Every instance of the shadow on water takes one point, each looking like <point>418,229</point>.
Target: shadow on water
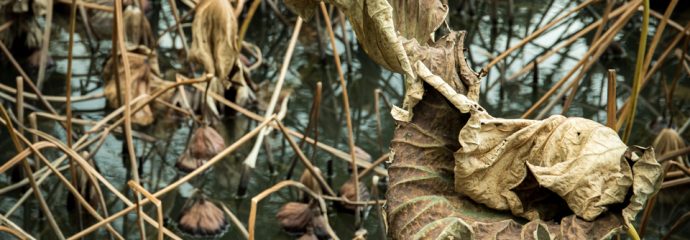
<point>492,27</point>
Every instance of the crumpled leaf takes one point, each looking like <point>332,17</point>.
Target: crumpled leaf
<point>137,28</point>
<point>422,202</point>
<point>144,80</point>
<point>382,28</point>
<point>647,179</point>
<point>578,159</point>
<point>214,41</point>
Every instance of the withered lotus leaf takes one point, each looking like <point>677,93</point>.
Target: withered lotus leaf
<point>579,160</point>
<point>422,201</point>
<point>459,173</point>
<point>144,80</point>
<point>382,27</point>
<point>214,40</point>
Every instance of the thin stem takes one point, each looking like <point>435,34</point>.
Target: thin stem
<point>45,43</point>
<point>251,157</point>
<point>611,100</point>
<point>532,36</point>
<point>29,174</point>
<point>639,71</point>
<point>307,164</point>
<point>346,105</point>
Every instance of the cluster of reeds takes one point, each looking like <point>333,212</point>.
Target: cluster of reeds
<point>134,90</point>
<point>137,94</point>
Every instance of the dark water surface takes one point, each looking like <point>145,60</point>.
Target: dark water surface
<point>491,30</point>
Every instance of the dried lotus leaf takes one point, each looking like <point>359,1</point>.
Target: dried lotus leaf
<point>214,40</point>
<point>418,19</point>
<point>577,159</point>
<point>422,201</point>
<point>374,23</point>
<point>137,28</point>
<point>144,81</point>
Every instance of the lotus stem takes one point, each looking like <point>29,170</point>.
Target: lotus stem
<point>639,71</point>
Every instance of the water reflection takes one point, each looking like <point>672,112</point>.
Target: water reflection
<point>492,26</point>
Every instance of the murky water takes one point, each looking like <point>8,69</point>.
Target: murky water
<point>489,33</point>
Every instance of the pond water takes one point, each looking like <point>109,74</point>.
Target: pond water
<point>492,28</point>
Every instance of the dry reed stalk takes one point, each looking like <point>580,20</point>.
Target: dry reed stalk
<point>532,36</point>
<point>79,145</point>
<point>639,72</point>
<point>13,232</point>
<point>350,202</point>
<point>611,100</point>
<point>88,5</point>
<point>29,174</point>
<point>154,200</point>
<point>567,42</point>
<point>68,97</point>
<point>236,221</point>
<point>5,25</point>
<point>20,103</point>
<point>673,154</point>
<point>307,164</point>
<point>378,161</point>
<point>379,137</point>
<point>179,181</point>
<point>43,59</point>
<point>625,109</point>
<point>256,199</point>
<point>346,105</point>
<point>60,99</point>
<point>178,24</point>
<point>54,143</point>
<point>82,142</point>
<point>313,123</point>
<point>608,36</point>
<point>248,19</point>
<point>675,182</point>
<point>119,37</point>
<point>671,23</point>
<point>578,79</point>
<point>333,151</point>
<point>26,77</point>
<point>251,157</point>
<point>15,228</point>
<point>76,194</point>
<point>659,30</point>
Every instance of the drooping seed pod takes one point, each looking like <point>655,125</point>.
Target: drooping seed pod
<point>187,163</point>
<point>294,217</point>
<point>202,218</point>
<point>347,191</point>
<point>311,182</point>
<point>205,143</point>
<point>668,140</point>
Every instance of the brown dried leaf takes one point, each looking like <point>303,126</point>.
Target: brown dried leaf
<point>503,163</point>
<point>214,40</point>
<point>137,28</point>
<point>144,80</point>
